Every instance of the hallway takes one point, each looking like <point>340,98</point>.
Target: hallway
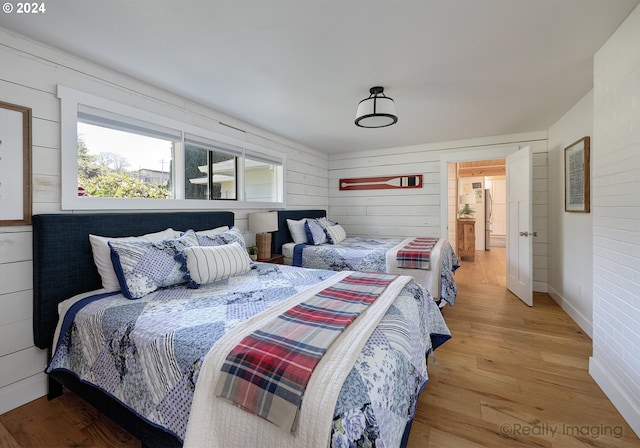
<point>489,267</point>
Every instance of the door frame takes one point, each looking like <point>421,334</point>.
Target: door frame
<point>500,152</point>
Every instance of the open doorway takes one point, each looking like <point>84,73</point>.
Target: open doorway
<point>479,198</point>
<point>519,254</point>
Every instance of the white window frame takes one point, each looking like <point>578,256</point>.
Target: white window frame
<point>69,100</point>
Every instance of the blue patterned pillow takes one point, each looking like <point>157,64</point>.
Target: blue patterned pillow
<point>144,266</point>
<point>233,235</point>
<point>315,231</point>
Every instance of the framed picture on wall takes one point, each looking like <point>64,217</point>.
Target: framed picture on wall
<point>15,165</point>
<point>576,177</point>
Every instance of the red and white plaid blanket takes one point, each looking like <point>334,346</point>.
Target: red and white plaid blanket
<point>267,372</point>
<point>416,254</point>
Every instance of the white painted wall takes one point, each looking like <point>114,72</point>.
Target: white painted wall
<point>570,243</point>
<point>615,364</point>
<point>29,75</point>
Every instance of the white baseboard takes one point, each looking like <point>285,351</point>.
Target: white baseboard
<point>22,392</point>
<point>584,322</point>
<point>616,393</point>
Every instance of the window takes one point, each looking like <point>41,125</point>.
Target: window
<point>210,169</point>
<point>118,157</point>
<point>114,156</point>
<point>263,178</point>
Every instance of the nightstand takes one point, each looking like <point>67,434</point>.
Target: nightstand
<point>275,258</point>
<point>466,235</point>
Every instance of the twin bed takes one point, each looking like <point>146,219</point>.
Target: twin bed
<point>158,360</point>
<point>366,254</point>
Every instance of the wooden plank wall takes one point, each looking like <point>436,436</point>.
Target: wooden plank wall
<point>616,219</point>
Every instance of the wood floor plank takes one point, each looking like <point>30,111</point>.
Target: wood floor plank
<point>6,439</point>
<point>66,422</point>
<point>440,439</point>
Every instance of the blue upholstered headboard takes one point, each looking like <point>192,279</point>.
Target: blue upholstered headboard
<point>63,261</point>
<point>283,236</point>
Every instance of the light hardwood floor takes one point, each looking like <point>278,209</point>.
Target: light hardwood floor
<point>511,376</point>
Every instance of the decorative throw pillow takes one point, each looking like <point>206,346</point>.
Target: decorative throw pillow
<point>216,231</point>
<point>298,232</point>
<point>315,231</point>
<point>212,263</point>
<point>232,235</point>
<point>144,266</point>
<point>102,254</point>
<point>335,234</point>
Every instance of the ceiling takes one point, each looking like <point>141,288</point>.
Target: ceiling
<point>481,168</point>
<point>455,68</point>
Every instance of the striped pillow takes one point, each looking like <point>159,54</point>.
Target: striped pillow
<point>335,234</point>
<point>207,264</point>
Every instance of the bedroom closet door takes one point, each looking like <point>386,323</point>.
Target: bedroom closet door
<point>519,225</point>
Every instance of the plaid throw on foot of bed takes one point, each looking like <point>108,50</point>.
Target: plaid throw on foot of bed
<point>267,372</point>
<point>416,254</point>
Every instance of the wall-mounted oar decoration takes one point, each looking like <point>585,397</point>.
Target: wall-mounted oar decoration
<point>382,183</point>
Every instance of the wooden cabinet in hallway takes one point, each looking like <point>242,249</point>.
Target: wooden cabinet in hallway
<point>466,238</point>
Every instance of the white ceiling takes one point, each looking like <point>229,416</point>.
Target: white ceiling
<point>455,68</point>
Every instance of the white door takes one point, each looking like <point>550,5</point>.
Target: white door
<point>519,225</point>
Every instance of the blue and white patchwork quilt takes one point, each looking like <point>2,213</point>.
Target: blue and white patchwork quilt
<point>147,353</point>
<point>369,254</point>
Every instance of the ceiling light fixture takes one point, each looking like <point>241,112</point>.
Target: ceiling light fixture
<point>377,111</point>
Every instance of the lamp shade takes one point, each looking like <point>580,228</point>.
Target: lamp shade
<point>263,222</point>
<point>377,111</point>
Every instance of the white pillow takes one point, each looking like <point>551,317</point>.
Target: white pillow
<point>298,231</point>
<point>225,237</point>
<point>335,234</point>
<point>102,254</point>
<point>207,264</point>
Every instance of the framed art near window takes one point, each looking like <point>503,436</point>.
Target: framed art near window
<point>576,177</point>
<point>15,165</point>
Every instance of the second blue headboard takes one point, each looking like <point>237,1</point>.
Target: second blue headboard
<point>283,236</point>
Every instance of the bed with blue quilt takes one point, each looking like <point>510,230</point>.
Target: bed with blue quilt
<point>304,239</point>
<point>160,344</point>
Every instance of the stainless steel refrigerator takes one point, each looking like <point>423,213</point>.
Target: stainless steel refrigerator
<point>488,208</point>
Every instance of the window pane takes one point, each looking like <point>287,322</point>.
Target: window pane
<point>122,164</point>
<point>199,163</point>
<point>263,180</point>
<point>195,173</point>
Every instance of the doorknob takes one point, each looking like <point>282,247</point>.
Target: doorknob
<point>524,233</point>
